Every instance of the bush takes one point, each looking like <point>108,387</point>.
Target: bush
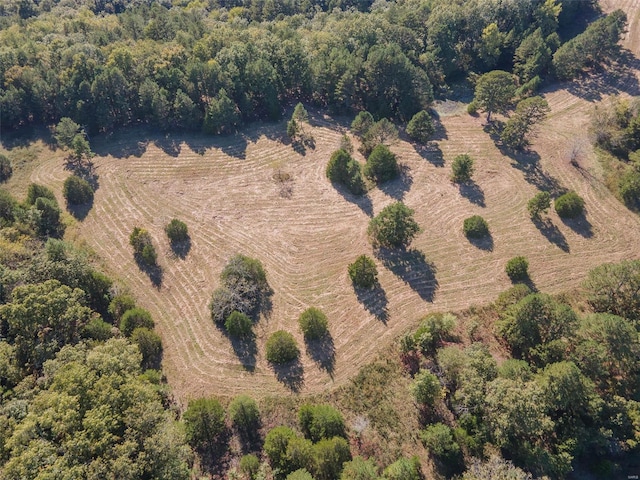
<point>475,227</point>
<point>434,329</point>
<point>5,169</point>
<point>120,304</point>
<point>47,218</point>
<point>393,227</point>
<point>203,422</point>
<point>381,165</point>
<point>330,455</point>
<point>135,318</point>
<point>629,188</point>
<point>362,123</point>
<point>439,441</point>
<point>77,191</point>
<point>360,469</point>
<point>242,268</point>
<point>281,348</point>
<point>300,474</point>
<point>517,269</point>
<point>462,168</point>
<point>569,205</point>
<point>420,127</point>
<point>343,169</point>
<point>472,108</point>
<point>140,240</point>
<point>36,191</point>
<point>249,466</point>
<point>150,345</point>
<point>320,421</point>
<point>8,207</point>
<point>275,445</point>
<point>426,388</point>
<point>238,324</point>
<point>403,469</point>
<point>313,324</point>
<point>177,231</point>
<point>539,204</point>
<point>363,272</point>
<point>244,414</point>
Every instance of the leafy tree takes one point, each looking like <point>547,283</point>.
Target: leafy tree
<point>426,388</point>
<point>203,422</point>
<point>462,168</point>
<point>120,304</point>
<point>517,269</point>
<point>434,329</point>
<point>569,205</point>
<point>393,227</point>
<point>301,474</point>
<point>249,465</point>
<point>292,129</point>
<point>77,191</point>
<point>475,227</point>
<point>629,188</point>
<point>532,57</point>
<point>281,348</point>
<point>8,207</point>
<point>615,288</point>
<point>5,168</point>
<point>494,92</point>
<point>359,469</point>
<point>496,468</point>
<point>35,191</point>
<point>275,446</point>
<point>65,132</point>
<point>329,455</point>
<point>381,165</point>
<point>420,128</point>
<point>313,324</point>
<point>140,240</point>
<point>382,132</point>
<point>222,115</point>
<point>300,113</point>
<point>238,324</point>
<point>363,272</point>
<point>343,169</point>
<point>150,345</point>
<point>362,123</point>
<point>47,217</point>
<point>439,441</point>
<point>540,203</point>
<point>319,422</point>
<point>403,469</point>
<point>135,318</point>
<point>177,231</point>
<point>244,415</point>
<point>518,129</point>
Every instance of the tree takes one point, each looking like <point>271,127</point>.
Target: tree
<point>238,325</point>
<point>329,455</point>
<point>203,422</point>
<point>281,348</point>
<point>381,165</point>
<point>518,129</point>
<point>5,169</point>
<point>433,330</point>
<point>393,227</point>
<point>420,127</point>
<point>363,272</point>
<point>403,469</point>
<point>275,447</point>
<point>313,324</point>
<point>360,469</point>
<point>517,269</point>
<point>177,231</point>
<point>150,345</point>
<point>462,168</point>
<point>439,441</point>
<point>569,205</point>
<point>362,123</point>
<point>532,57</point>
<point>495,468</point>
<point>426,388</point>
<point>494,92</point>
<point>135,318</point>
<point>249,466</point>
<point>35,191</point>
<point>300,113</point>
<point>343,169</point>
<point>222,115</point>
<point>615,288</point>
<point>65,132</point>
<point>142,245</point>
<point>120,304</point>
<point>319,422</point>
<point>77,191</point>
<point>382,132</point>
<point>47,218</point>
<point>475,227</point>
<point>244,415</point>
<point>540,203</point>
<point>301,474</point>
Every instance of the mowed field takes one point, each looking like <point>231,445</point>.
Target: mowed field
<point>306,232</point>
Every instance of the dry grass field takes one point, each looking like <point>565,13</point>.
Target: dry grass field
<point>306,232</point>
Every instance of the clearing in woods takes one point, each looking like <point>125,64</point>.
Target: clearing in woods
<point>305,232</point>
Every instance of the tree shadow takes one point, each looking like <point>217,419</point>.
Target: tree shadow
<point>472,192</point>
<point>398,187</point>
<point>552,233</point>
<point>265,306</point>
<point>290,374</point>
<point>374,300</point>
<point>215,455</point>
<point>169,145</point>
<point>245,349</point>
<point>413,268</point>
<point>323,352</point>
<point>440,132</point>
<point>182,248</point>
<point>580,225</point>
<point>483,243</point>
<point>528,162</point>
<point>431,152</point>
<point>80,212</point>
<point>362,201</point>
<point>154,272</point>
<point>250,439</point>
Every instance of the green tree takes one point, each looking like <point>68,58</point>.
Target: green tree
<point>249,466</point>
<point>35,191</point>
<point>393,227</point>
<point>420,128</point>
<point>615,288</point>
<point>319,422</point>
<point>281,348</point>
<point>77,191</point>
<point>532,57</point>
<point>381,165</point>
<point>363,272</point>
<point>475,227</point>
<point>343,169</point>
<point>140,240</point>
<point>222,115</point>
<point>203,422</point>
<point>359,469</point>
<point>362,123</point>
<point>301,474</point>
<point>494,92</point>
<point>300,113</point>
<point>462,168</point>
<point>518,129</point>
<point>120,304</point>
<point>569,205</point>
<point>150,345</point>
<point>517,269</point>
<point>244,415</point>
<point>330,454</point>
<point>65,132</point>
<point>426,388</point>
<point>539,204</point>
<point>47,218</point>
<point>382,132</point>
<point>403,469</point>
<point>434,329</point>
<point>275,446</point>
<point>5,168</point>
<point>313,323</point>
<point>177,231</point>
<point>135,318</point>
<point>439,441</point>
<point>238,325</point>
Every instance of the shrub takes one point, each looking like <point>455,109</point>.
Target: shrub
<point>242,268</point>
<point>140,240</point>
<point>320,421</point>
<point>120,304</point>
<point>177,231</point>
<point>629,188</point>
<point>517,269</point>
<point>539,204</point>
<point>329,456</point>
<point>5,169</point>
<point>281,348</point>
<point>434,329</point>
<point>35,191</point>
<point>472,108</point>
<point>249,466</point>
<point>569,205</point>
<point>203,422</point>
<point>381,165</point>
<point>439,441</point>
<point>360,469</point>
<point>244,414</point>
<point>362,123</point>
<point>275,445</point>
<point>238,324</point>
<point>313,324</point>
<point>420,127</point>
<point>363,272</point>
<point>475,227</point>
<point>47,218</point>
<point>462,168</point>
<point>343,169</point>
<point>150,345</point>
<point>8,207</point>
<point>426,388</point>
<point>77,191</point>
<point>403,469</point>
<point>393,227</point>
<point>300,474</point>
<point>223,302</point>
<point>135,318</point>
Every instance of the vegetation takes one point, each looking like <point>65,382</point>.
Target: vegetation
<point>177,231</point>
<point>517,269</point>
<point>519,128</point>
<point>203,422</point>
<point>142,245</point>
<point>393,227</point>
<point>238,324</point>
<point>462,168</point>
<point>420,128</point>
<point>319,422</point>
<point>77,191</point>
<point>5,168</point>
<point>433,330</point>
<point>313,324</point>
<point>381,165</point>
<point>281,348</point>
<point>569,205</point>
<point>475,227</point>
<point>363,272</point>
<point>426,388</point>
<point>244,415</point>
<point>494,92</point>
<point>539,204</point>
<point>135,318</point>
<point>344,170</point>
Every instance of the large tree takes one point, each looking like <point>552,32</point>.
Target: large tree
<point>494,92</point>
<point>393,227</point>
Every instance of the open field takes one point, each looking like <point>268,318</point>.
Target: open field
<point>307,232</point>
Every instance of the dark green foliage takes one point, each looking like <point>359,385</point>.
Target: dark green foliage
<point>403,469</point>
<point>35,191</point>
<point>142,245</point>
<point>241,268</point>
<point>281,348</point>
<point>97,329</point>
<point>150,345</point>
<point>381,165</point>
<point>439,441</point>
<point>569,205</point>
<point>420,128</point>
<point>177,231</point>
<point>119,305</point>
<point>313,324</point>
<point>244,414</point>
<point>345,170</point>
<point>363,272</point>
<point>533,56</point>
<point>475,227</point>
<point>203,422</point>
<point>494,92</point>
<point>47,217</point>
<point>362,123</point>
<point>275,447</point>
<point>77,191</point>
<point>65,132</point>
<point>135,318</point>
<point>426,388</point>
<point>238,324</point>
<point>539,204</point>
<point>8,207</point>
<point>319,422</point>
<point>629,188</point>
<point>5,169</point>
<point>393,227</point>
<point>462,168</point>
<point>518,129</point>
<point>434,329</point>
<point>359,469</point>
<point>517,269</point>
<point>222,115</point>
<point>512,296</point>
<point>615,288</point>
<point>249,466</point>
<point>383,132</point>
<point>329,455</point>
<point>301,474</point>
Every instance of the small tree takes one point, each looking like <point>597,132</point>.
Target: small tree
<point>135,318</point>
<point>320,421</point>
<point>281,348</point>
<point>238,324</point>
<point>362,123</point>
<point>440,442</point>
<point>77,191</point>
<point>518,130</point>
<point>426,388</point>
<point>494,92</point>
<point>517,269</point>
<point>142,245</point>
<point>363,272</point>
<point>313,324</point>
<point>177,231</point>
<point>203,422</point>
<point>150,345</point>
<point>381,165</point>
<point>249,466</point>
<point>343,169</point>
<point>382,132</point>
<point>569,205</point>
<point>300,114</point>
<point>462,168</point>
<point>65,132</point>
<point>420,127</point>
<point>393,227</point>
<point>539,204</point>
<point>244,414</point>
<point>475,227</point>
<point>403,469</point>
<point>5,169</point>
<point>36,191</point>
